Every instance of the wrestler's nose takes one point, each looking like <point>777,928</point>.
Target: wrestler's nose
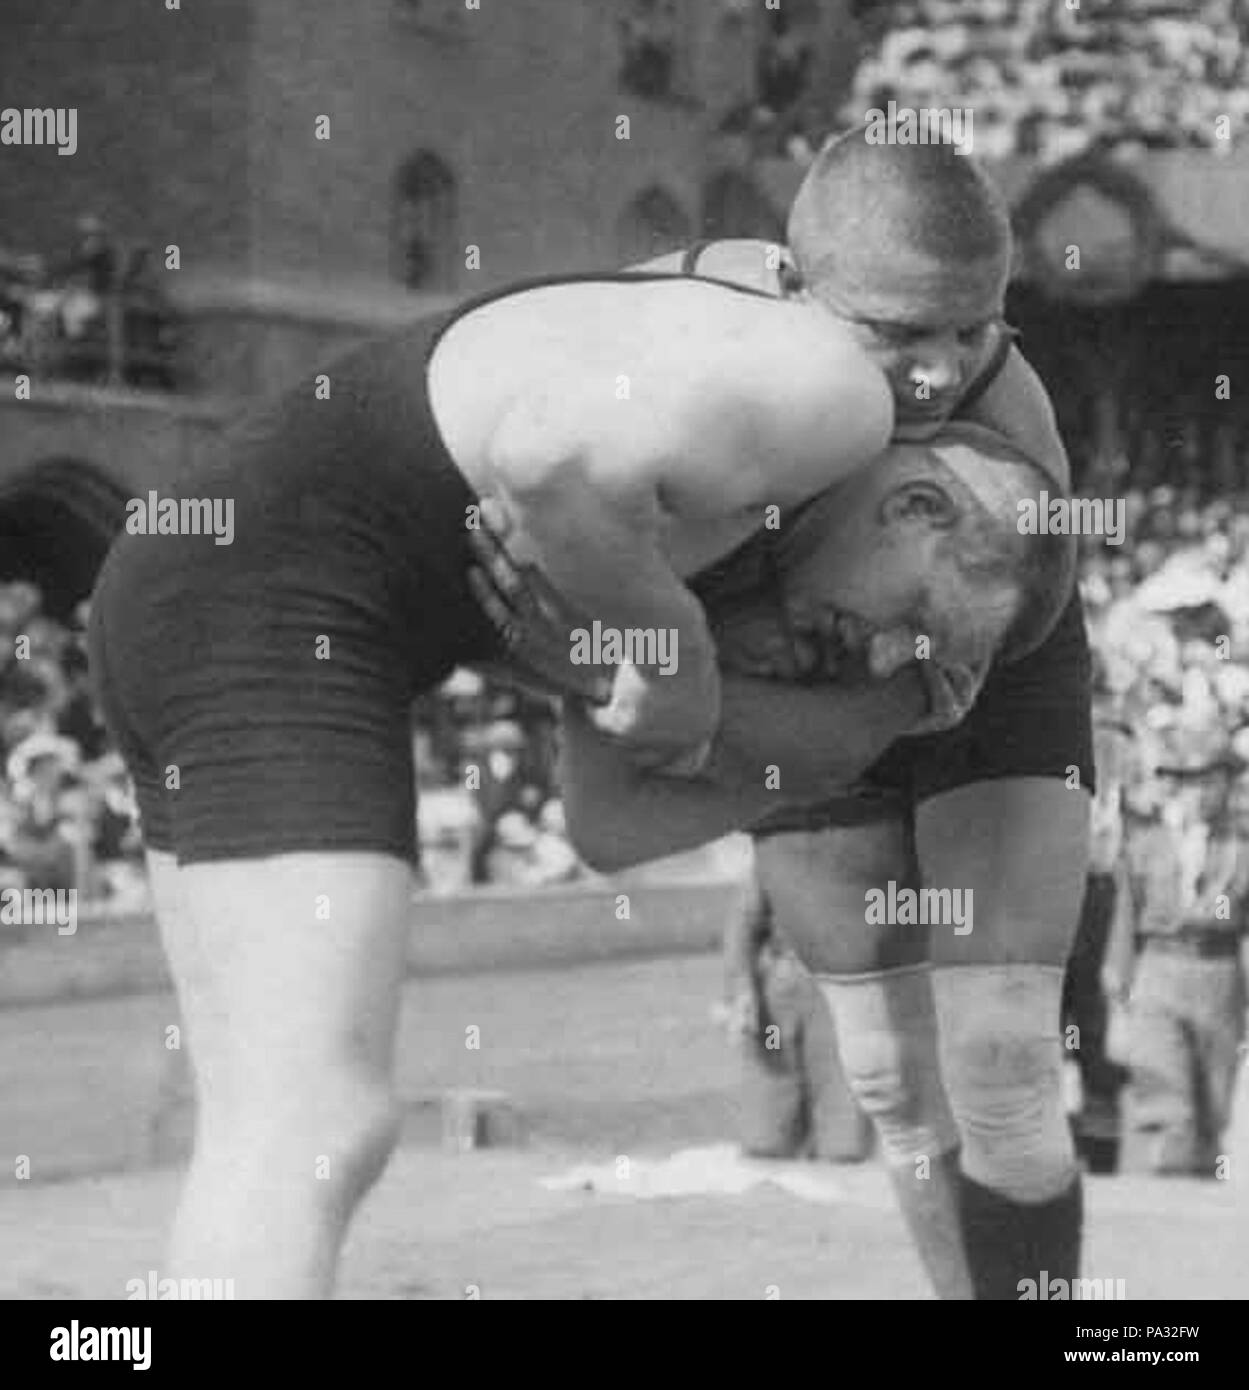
<point>939,369</point>
<point>890,651</point>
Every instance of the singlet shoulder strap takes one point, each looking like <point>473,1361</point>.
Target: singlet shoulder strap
<point>447,317</point>
<point>1010,336</point>
<point>689,261</point>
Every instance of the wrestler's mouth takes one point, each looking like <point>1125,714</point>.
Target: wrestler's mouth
<point>833,643</point>
<point>929,418</point>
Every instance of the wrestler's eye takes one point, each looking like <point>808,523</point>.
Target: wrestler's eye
<point>968,337</point>
<point>929,504</point>
<point>897,334</point>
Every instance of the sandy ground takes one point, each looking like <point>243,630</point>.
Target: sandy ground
<point>601,1061</point>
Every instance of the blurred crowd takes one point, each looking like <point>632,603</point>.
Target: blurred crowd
<point>67,815</point>
<point>1043,78</point>
<point>488,808</point>
<point>1157,983</point>
<point>1048,80</point>
<point>94,313</point>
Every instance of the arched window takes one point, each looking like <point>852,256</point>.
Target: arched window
<point>653,224</point>
<point>58,518</point>
<point>424,239</point>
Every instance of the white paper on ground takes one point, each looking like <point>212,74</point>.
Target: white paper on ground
<point>716,1170</point>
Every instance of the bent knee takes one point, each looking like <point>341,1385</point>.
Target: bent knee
<point>886,1036</point>
<point>1002,1063</point>
<point>338,1134</point>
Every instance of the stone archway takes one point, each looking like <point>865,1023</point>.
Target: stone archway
<point>57,520</point>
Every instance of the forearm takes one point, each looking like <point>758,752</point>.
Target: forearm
<point>778,744</point>
<point>602,552</point>
<point>805,742</point>
<point>637,622</point>
<point>619,815</point>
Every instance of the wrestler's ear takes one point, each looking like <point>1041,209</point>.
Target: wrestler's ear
<point>790,279</point>
<point>922,501</point>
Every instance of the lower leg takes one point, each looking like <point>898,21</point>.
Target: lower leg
<point>886,1031</point>
<point>930,1201</point>
<point>1021,1204</point>
<point>288,973</point>
<point>1008,1242</point>
<point>268,1198</point>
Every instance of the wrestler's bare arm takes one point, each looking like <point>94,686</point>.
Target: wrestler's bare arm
<point>618,816</point>
<point>815,739</point>
<point>754,403</point>
<point>759,403</point>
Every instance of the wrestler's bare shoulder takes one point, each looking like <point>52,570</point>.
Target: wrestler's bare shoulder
<point>617,318</point>
<point>620,339</point>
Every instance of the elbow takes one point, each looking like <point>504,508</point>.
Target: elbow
<point>599,843</point>
<point>530,478</point>
<point>605,853</point>
<point>604,843</point>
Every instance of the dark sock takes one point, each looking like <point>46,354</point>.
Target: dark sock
<point>1010,1241</point>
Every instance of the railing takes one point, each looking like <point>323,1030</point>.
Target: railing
<point>107,350</point>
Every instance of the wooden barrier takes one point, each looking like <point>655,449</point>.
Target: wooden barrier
<point>488,929</point>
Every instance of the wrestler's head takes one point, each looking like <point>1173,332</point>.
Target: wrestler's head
<point>909,245</point>
<point>924,544</point>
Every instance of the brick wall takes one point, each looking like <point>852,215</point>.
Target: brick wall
<point>161,129</point>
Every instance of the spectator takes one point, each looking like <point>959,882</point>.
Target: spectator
<point>148,325</point>
<point>93,313</point>
<point>93,264</point>
<point>1188,873</point>
<point>1084,998</point>
<point>793,1099</point>
<point>48,841</point>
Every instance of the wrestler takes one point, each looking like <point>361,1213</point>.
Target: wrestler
<point>635,429</point>
<point>909,247</point>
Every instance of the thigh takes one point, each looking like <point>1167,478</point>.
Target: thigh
<point>289,969</point>
<point>1018,846</point>
<point>818,881</point>
<point>165,884</point>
